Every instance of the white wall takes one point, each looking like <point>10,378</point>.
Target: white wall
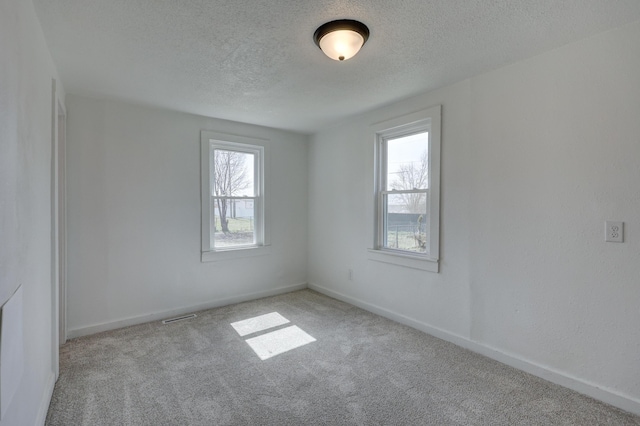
<point>535,157</point>
<point>26,74</point>
<point>134,216</point>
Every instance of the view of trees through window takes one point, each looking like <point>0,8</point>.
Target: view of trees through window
<point>233,198</point>
<point>405,193</point>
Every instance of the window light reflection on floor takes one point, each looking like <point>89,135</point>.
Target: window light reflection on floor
<point>279,341</point>
<point>259,323</point>
<point>275,342</point>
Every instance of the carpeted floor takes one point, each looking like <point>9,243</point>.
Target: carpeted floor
<point>361,369</point>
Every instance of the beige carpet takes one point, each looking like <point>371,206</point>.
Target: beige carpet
<point>361,369</point>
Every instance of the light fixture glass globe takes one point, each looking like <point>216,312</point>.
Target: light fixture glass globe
<point>342,44</point>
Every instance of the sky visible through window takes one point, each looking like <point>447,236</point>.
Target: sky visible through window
<point>406,151</point>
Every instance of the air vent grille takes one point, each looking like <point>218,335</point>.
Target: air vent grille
<point>176,319</point>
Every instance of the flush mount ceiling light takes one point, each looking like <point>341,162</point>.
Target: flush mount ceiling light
<point>341,39</point>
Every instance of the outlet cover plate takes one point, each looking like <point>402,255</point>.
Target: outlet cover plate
<point>614,231</point>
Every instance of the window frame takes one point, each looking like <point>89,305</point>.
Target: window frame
<point>210,141</point>
<point>428,120</point>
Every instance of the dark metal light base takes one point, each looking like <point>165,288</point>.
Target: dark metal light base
<point>341,24</point>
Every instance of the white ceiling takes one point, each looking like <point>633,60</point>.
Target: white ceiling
<point>255,61</point>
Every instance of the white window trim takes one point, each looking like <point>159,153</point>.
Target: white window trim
<point>431,119</point>
<point>208,139</point>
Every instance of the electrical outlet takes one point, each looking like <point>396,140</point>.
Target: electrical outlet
<point>614,231</point>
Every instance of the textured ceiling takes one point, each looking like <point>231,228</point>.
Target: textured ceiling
<point>255,61</point>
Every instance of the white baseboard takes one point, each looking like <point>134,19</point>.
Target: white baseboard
<point>43,409</point>
<point>141,319</point>
<point>593,390</point>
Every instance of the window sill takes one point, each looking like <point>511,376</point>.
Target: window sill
<point>239,253</point>
<point>404,260</point>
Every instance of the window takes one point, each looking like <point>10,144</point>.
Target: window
<point>407,183</point>
<point>232,194</point>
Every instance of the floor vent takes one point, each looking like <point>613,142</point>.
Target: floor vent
<point>176,319</point>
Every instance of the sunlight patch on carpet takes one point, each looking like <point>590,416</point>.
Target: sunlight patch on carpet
<point>259,323</point>
<point>279,341</point>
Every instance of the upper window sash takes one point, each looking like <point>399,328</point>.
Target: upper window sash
<point>257,152</point>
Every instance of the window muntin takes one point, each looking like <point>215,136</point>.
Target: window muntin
<point>232,194</point>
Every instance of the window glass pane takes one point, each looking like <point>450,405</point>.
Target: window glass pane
<point>232,173</point>
<point>233,223</point>
<point>405,222</point>
<point>408,162</point>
